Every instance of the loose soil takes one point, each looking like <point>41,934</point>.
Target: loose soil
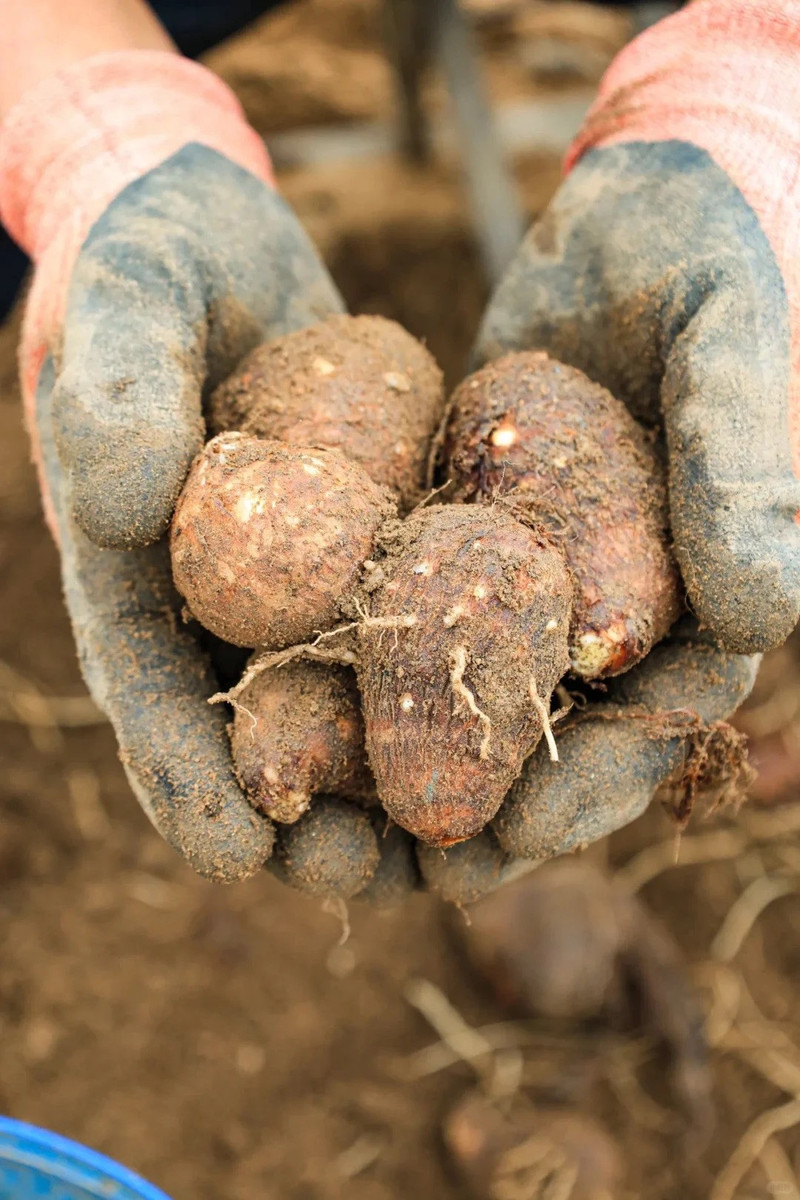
<point>222,1041</point>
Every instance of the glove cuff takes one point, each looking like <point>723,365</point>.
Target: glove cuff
<point>723,75</point>
<point>73,142</point>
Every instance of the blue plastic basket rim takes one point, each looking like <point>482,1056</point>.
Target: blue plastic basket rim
<point>36,1147</point>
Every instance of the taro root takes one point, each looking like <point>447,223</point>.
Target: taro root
<point>298,730</point>
<point>362,385</point>
<point>551,944</point>
<point>268,541</point>
<point>463,617</point>
<point>466,639</point>
<point>572,456</point>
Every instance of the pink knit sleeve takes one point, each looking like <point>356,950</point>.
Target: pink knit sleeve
<point>76,140</point>
<point>725,76</point>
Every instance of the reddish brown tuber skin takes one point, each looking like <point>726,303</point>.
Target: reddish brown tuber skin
<point>267,540</point>
<point>473,612</point>
<point>576,460</point>
<point>298,730</point>
<point>362,385</point>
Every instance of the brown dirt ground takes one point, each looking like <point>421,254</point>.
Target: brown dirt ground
<point>219,1041</point>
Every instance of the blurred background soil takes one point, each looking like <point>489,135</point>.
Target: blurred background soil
<point>221,1041</point>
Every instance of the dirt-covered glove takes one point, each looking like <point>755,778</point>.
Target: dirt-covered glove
<point>162,256</point>
<point>668,268</point>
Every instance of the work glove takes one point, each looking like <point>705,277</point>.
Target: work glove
<point>667,268</point>
<point>162,256</point>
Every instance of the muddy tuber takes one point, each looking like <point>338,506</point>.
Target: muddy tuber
<point>572,457</point>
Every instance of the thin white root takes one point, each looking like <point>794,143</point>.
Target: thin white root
<point>544,716</point>
<point>312,650</point>
<point>651,862</point>
<point>407,621</point>
<point>265,661</point>
<point>779,1170</point>
<point>435,491</point>
<point>744,913</point>
<point>464,1041</point>
<point>44,717</point>
<point>335,906</point>
<point>253,718</point>
<point>768,1123</point>
<point>458,665</point>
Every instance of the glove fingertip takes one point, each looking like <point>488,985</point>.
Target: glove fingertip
<point>331,851</point>
<point>125,455</point>
<point>612,761</point>
<point>750,607</point>
<point>124,484</point>
<point>689,672</point>
<point>466,871</point>
<point>397,874</point>
<point>605,779</point>
<point>121,509</point>
<point>220,840</point>
<point>227,847</point>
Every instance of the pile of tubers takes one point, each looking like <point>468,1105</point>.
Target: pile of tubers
<point>405,650</point>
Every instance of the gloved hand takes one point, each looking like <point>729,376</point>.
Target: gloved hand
<point>162,256</point>
<point>668,269</point>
